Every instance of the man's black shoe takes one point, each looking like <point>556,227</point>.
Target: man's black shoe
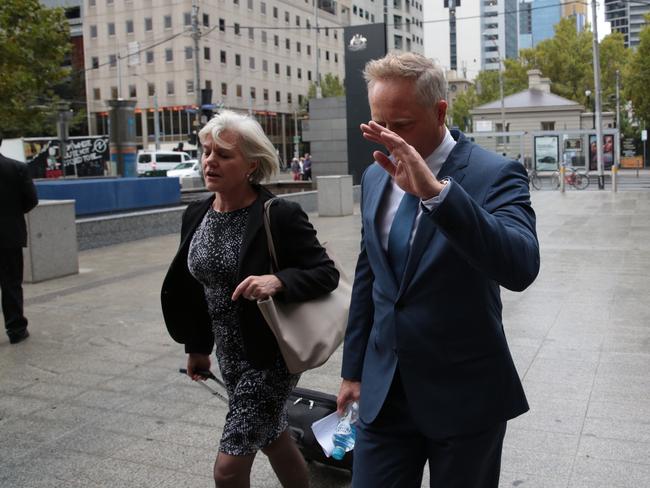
<point>19,337</point>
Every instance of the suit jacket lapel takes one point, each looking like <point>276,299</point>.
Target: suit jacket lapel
<point>454,167</point>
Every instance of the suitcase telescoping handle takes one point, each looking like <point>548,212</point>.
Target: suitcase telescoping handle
<point>208,375</point>
<point>305,401</point>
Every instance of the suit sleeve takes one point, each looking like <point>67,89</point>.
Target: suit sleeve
<point>307,271</point>
<point>360,318</point>
<point>30,198</point>
<point>498,237</point>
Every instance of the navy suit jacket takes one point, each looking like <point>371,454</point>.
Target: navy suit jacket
<point>442,322</point>
<point>17,197</point>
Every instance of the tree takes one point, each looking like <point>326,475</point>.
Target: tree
<point>637,76</point>
<point>330,87</point>
<point>464,102</point>
<point>613,56</point>
<point>34,41</point>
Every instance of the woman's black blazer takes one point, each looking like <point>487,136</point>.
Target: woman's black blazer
<point>307,272</point>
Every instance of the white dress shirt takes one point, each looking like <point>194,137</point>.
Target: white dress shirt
<point>394,193</point>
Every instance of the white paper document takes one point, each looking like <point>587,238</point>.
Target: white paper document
<point>323,430</point>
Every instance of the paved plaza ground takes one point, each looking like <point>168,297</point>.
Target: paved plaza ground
<point>93,398</point>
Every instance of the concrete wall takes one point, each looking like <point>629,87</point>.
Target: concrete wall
<point>326,131</point>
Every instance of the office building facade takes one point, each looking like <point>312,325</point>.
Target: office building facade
<point>499,32</point>
<point>628,18</point>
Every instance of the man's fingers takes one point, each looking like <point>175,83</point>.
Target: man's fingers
<point>241,288</point>
<point>385,162</point>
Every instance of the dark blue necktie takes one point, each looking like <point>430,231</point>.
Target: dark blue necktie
<point>400,233</point>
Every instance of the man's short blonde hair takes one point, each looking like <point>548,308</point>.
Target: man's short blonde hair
<point>430,82</point>
<point>253,142</point>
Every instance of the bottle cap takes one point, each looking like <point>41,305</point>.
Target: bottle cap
<point>338,452</point>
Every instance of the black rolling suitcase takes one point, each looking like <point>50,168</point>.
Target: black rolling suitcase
<point>304,407</point>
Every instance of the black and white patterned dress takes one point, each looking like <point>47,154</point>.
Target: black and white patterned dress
<point>256,414</point>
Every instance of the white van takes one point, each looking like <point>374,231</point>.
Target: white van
<point>160,160</point>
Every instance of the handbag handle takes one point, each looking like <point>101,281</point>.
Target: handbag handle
<point>269,236</point>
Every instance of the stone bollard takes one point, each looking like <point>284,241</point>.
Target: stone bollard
<point>335,195</point>
<point>51,250</point>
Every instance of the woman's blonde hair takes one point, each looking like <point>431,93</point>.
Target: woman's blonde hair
<point>430,82</point>
<point>253,142</point>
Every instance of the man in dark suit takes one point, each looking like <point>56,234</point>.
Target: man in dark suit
<point>17,197</point>
<point>445,223</point>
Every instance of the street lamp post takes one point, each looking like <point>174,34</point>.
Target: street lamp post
<point>593,113</point>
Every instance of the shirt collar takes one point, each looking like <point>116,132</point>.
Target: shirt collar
<point>437,158</point>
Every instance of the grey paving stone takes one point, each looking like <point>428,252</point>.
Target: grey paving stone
<point>615,450</point>
<point>617,429</point>
<point>599,473</point>
<point>511,479</point>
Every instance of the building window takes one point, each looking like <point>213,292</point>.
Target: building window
<point>113,92</point>
<point>287,44</point>
<point>251,62</point>
<point>327,55</point>
<point>308,75</point>
<point>132,92</point>
<point>277,96</point>
<point>289,101</point>
<point>237,30</point>
<point>129,27</point>
<point>169,55</point>
<point>251,33</point>
<point>308,49</point>
<point>97,94</point>
<point>299,74</point>
<point>275,12</point>
<point>287,18</point>
<point>222,56</point>
<point>300,99</point>
<point>288,71</point>
<point>91,3</point>
<point>250,4</point>
<point>187,18</point>
<point>206,20</point>
<point>239,91</point>
<point>111,28</point>
<point>276,40</point>
<point>189,52</point>
<point>265,94</point>
<point>336,57</point>
<point>298,46</point>
<point>264,37</point>
<point>548,125</point>
<point>277,68</point>
<point>93,31</point>
<point>224,89</point>
<point>206,53</point>
<point>189,86</point>
<point>298,20</point>
<point>263,8</point>
<point>112,60</point>
<point>149,57</point>
<point>148,24</point>
<point>151,89</point>
<point>208,85</point>
<point>265,65</point>
<point>222,25</point>
<point>167,21</point>
<point>253,92</point>
<point>95,62</point>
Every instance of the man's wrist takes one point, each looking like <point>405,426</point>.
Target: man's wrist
<point>439,185</point>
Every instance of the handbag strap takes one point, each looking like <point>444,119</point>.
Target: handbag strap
<point>269,236</point>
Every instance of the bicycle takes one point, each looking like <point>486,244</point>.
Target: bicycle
<point>572,177</point>
<point>534,179</point>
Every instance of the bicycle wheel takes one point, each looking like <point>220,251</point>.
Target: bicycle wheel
<point>536,182</point>
<point>555,180</point>
<point>581,181</point>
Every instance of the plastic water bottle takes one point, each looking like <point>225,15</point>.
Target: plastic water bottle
<point>344,434</point>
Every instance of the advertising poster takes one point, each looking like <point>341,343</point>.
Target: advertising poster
<point>608,152</point>
<point>85,156</point>
<point>546,153</point>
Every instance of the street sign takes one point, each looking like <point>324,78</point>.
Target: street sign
<point>296,139</point>
<point>644,135</point>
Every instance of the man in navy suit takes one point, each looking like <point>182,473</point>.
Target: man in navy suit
<point>445,223</point>
<point>17,197</point>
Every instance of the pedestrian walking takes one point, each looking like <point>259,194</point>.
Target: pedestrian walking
<point>445,224</point>
<point>306,168</point>
<point>295,169</point>
<point>210,295</point>
<point>17,197</point>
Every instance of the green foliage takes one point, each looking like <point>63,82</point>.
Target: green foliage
<point>331,86</point>
<point>636,76</point>
<point>34,41</point>
<point>464,102</point>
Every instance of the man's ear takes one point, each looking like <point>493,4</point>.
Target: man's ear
<point>441,111</point>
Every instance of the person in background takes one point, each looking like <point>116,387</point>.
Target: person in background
<point>209,296</point>
<point>17,197</point>
<point>295,169</point>
<point>306,168</point>
<point>445,224</point>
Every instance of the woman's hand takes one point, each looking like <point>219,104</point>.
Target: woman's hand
<point>258,287</point>
<point>197,362</point>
